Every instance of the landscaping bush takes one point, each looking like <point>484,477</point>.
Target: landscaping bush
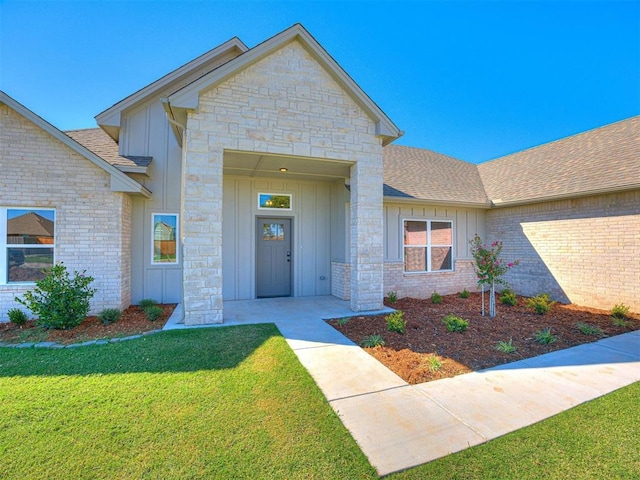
<point>110,315</point>
<point>436,298</point>
<point>588,329</point>
<point>544,336</point>
<point>153,312</point>
<point>464,293</point>
<point>455,324</point>
<point>507,297</point>
<point>59,300</point>
<point>372,341</point>
<point>506,347</point>
<point>396,322</point>
<point>17,316</point>
<point>147,302</point>
<point>620,311</point>
<point>540,303</point>
<point>392,297</point>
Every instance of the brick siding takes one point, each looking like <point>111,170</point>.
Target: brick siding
<point>92,222</point>
<point>584,251</point>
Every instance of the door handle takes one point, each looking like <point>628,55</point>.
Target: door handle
<point>288,256</point>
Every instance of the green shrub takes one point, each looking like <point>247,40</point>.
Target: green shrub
<point>507,297</point>
<point>58,300</point>
<point>392,297</point>
<point>455,324</point>
<point>544,336</point>
<point>540,303</point>
<point>372,341</point>
<point>589,329</point>
<point>396,322</point>
<point>620,311</point>
<point>436,298</point>
<point>153,312</point>
<point>343,321</point>
<point>17,316</point>
<point>465,293</point>
<point>506,347</point>
<point>147,302</point>
<point>621,322</point>
<point>434,363</point>
<point>110,315</point>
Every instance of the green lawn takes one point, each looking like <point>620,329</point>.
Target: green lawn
<point>234,402</point>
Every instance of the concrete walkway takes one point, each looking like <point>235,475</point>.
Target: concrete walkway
<point>399,426</point>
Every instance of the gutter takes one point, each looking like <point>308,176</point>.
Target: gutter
<point>498,203</point>
<point>178,128</point>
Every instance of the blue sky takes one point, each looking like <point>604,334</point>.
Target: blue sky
<point>474,80</point>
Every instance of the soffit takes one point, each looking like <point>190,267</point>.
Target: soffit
<point>298,168</point>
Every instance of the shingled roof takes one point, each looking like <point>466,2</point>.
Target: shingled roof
<point>605,159</point>
<point>97,140</point>
<point>415,173</point>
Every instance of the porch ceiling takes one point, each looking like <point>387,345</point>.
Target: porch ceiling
<point>298,168</point>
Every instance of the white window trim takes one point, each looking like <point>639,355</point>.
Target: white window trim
<point>429,245</point>
<point>4,246</point>
<point>260,207</point>
<point>153,215</point>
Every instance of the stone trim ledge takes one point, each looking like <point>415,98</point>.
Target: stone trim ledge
<point>102,341</point>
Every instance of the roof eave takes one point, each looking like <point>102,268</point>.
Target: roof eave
<point>188,96</point>
<point>120,182</point>
<point>438,202</point>
<point>497,203</point>
<point>110,119</point>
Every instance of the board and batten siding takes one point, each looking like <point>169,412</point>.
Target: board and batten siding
<point>312,226</point>
<point>466,223</point>
<point>146,132</point>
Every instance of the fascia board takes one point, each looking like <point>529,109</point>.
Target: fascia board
<point>444,203</point>
<point>188,96</point>
<point>498,203</point>
<point>119,179</point>
<point>111,116</point>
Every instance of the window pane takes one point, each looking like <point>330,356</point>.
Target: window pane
<point>30,227</point>
<point>415,259</point>
<point>415,233</point>
<point>273,231</point>
<point>441,258</point>
<point>165,238</point>
<point>26,264</point>
<point>441,233</point>
<point>268,200</point>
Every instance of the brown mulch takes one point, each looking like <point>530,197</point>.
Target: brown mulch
<point>409,354</point>
<point>132,322</point>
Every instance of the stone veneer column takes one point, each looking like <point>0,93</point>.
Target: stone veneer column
<point>201,228</point>
<point>367,250</point>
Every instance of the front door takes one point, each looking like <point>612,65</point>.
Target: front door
<point>273,257</point>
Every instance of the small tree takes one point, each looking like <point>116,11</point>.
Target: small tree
<point>489,268</point>
<point>58,300</point>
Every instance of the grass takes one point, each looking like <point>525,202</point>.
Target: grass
<point>214,403</point>
<point>234,402</point>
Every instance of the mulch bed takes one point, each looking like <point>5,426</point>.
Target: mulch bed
<point>132,322</point>
<point>409,355</point>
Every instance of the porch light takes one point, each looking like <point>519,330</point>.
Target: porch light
<point>284,169</point>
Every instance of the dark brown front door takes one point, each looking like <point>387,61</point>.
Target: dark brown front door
<point>273,257</point>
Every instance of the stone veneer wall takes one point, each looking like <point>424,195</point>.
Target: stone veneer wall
<point>584,251</point>
<point>93,223</point>
<point>415,285</point>
<point>284,104</point>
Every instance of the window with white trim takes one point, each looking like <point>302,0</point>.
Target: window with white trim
<point>164,231</point>
<point>428,245</point>
<point>27,243</point>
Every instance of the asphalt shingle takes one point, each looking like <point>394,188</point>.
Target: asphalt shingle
<point>96,140</point>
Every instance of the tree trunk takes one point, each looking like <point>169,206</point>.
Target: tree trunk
<point>492,301</point>
<point>482,288</point>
